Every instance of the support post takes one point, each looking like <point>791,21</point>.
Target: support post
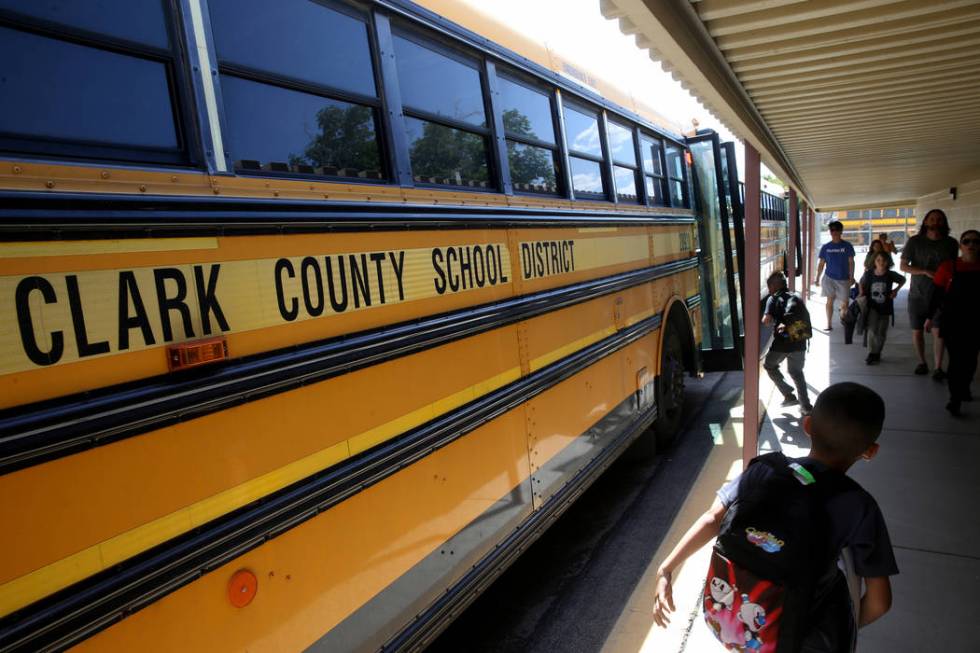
<point>791,226</point>
<point>808,253</point>
<point>753,282</point>
<point>813,245</point>
<point>804,225</point>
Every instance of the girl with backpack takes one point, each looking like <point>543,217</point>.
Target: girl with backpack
<point>880,285</point>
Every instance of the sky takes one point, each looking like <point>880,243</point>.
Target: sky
<point>567,25</point>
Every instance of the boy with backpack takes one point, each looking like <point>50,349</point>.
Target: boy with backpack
<point>786,312</point>
<point>773,584</point>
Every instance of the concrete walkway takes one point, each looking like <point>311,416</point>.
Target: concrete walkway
<point>924,479</point>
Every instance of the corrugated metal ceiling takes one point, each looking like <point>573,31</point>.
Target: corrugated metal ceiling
<point>871,102</point>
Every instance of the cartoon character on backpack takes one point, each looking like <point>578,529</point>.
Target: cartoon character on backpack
<point>754,618</point>
<point>722,593</point>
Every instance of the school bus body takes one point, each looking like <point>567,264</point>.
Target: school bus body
<point>134,460</point>
<point>409,384</point>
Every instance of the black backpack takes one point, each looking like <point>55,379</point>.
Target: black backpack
<point>796,317</point>
<point>772,552</point>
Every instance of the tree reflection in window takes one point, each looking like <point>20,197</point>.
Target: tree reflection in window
<point>532,169</point>
<point>345,145</point>
<point>447,156</point>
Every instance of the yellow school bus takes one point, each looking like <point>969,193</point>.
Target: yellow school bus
<point>315,314</point>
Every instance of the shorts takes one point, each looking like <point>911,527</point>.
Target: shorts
<point>835,288</point>
<point>919,313</point>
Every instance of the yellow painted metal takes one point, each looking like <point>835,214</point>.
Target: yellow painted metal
<point>315,575</point>
<point>56,178</point>
<point>407,281</point>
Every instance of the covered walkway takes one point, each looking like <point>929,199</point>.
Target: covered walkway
<point>924,479</point>
<point>855,105</point>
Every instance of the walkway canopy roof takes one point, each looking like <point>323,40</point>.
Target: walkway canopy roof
<point>853,102</point>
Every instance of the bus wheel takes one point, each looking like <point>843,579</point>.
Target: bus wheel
<point>670,390</point>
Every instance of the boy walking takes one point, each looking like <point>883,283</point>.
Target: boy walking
<point>838,257</point>
<point>784,347</point>
<point>843,429</point>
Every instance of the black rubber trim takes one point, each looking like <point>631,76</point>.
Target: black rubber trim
<point>59,427</point>
<point>78,612</point>
<point>46,216</point>
<point>440,613</point>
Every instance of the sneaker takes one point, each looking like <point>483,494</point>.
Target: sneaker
<point>921,369</point>
<point>790,400</point>
<point>806,410</point>
<point>954,408</point>
<point>939,375</point>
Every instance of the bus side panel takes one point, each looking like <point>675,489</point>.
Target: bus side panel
<point>100,499</point>
<point>266,289</point>
<point>315,575</point>
<point>367,566</point>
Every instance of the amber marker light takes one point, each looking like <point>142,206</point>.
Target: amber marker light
<point>242,588</point>
<point>198,352</point>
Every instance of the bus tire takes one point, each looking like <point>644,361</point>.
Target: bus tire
<point>670,390</point>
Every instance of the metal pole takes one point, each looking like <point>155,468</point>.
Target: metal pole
<point>753,281</point>
<point>791,226</point>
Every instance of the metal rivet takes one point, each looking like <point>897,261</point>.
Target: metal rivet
<point>216,191</point>
<point>17,170</point>
<point>275,193</point>
<point>142,188</point>
<point>49,184</point>
<point>173,178</point>
<point>105,174</point>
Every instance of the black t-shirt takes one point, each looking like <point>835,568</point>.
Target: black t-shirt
<point>878,289</point>
<point>776,307</point>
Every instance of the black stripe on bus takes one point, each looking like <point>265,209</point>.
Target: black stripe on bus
<point>59,427</point>
<point>77,612</point>
<point>40,216</point>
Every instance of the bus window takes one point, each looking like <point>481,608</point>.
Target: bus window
<point>66,97</point>
<point>530,133</point>
<point>622,148</point>
<point>585,153</point>
<point>297,126</point>
<point>271,128</point>
<point>445,117</point>
<point>298,39</point>
<point>447,156</point>
<point>651,151</point>
<point>675,175</point>
<point>138,21</point>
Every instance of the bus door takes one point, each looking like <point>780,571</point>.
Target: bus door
<point>721,326</point>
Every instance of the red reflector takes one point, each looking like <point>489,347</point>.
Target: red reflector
<point>242,588</point>
<point>199,352</point>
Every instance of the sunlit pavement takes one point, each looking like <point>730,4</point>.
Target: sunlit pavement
<point>924,479</point>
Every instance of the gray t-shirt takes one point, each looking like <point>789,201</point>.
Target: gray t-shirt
<point>921,252</point>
